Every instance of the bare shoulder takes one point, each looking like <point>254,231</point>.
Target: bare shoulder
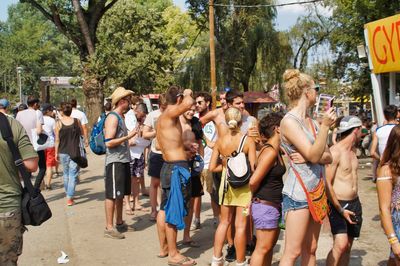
<point>289,123</point>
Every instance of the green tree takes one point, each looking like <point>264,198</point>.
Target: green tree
<point>133,50</point>
<point>309,32</point>
<point>27,39</point>
<point>239,33</point>
<point>349,18</point>
<point>78,21</point>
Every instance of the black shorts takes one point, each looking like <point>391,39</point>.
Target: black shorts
<point>165,176</point>
<point>156,161</point>
<point>339,225</point>
<point>197,187</point>
<point>215,188</point>
<point>117,180</point>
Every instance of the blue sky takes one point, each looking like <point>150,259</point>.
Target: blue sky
<point>287,16</point>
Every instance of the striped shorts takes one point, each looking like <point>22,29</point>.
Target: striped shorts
<point>117,180</point>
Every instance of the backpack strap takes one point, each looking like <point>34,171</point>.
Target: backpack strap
<point>242,141</point>
<point>6,133</point>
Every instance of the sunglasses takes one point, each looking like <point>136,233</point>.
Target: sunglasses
<point>199,102</point>
<point>316,87</point>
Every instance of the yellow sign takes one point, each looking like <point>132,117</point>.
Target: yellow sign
<point>384,44</point>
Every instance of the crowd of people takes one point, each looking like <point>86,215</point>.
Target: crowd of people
<point>279,172</point>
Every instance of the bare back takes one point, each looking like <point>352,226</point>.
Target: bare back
<point>169,137</point>
<point>229,143</point>
<point>345,182</point>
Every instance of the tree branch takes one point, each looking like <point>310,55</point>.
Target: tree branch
<point>84,26</point>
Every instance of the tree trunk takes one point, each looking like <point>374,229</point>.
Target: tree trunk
<point>94,96</point>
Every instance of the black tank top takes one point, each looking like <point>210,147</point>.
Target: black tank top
<point>69,135</point>
<point>271,186</point>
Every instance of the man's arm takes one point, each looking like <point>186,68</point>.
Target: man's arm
<point>210,116</point>
<point>31,164</point>
<point>374,146</point>
<point>85,134</point>
<point>110,130</point>
<point>148,132</point>
<point>187,102</point>
<point>330,170</point>
<point>39,122</point>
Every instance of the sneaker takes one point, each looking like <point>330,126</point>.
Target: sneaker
<point>113,233</point>
<point>70,202</point>
<point>249,249</point>
<point>196,225</point>
<point>230,253</point>
<point>217,261</point>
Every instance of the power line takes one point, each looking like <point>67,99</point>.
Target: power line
<point>269,5</point>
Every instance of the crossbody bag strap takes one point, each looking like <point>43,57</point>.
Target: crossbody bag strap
<point>241,146</point>
<point>7,135</point>
<point>296,173</point>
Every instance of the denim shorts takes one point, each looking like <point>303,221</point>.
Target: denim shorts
<point>289,204</point>
<point>265,216</point>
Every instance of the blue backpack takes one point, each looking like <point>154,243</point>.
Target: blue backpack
<point>97,140</point>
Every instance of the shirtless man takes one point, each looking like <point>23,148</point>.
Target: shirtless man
<point>170,141</point>
<point>342,188</point>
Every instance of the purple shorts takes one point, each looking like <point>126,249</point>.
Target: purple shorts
<point>265,216</point>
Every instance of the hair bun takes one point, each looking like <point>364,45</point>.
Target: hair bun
<point>290,73</point>
<point>232,124</point>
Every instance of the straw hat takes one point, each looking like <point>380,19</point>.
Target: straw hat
<point>118,94</point>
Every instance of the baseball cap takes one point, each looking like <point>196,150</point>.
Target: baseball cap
<point>349,122</point>
<point>4,103</point>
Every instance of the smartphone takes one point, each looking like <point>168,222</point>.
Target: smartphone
<point>324,103</point>
<point>354,218</point>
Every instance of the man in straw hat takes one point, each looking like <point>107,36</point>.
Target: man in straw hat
<point>117,179</point>
<point>175,175</point>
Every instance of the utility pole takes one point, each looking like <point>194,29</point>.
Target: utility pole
<point>212,55</point>
<point>19,72</point>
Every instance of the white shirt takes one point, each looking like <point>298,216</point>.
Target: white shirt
<point>29,119</point>
<point>49,127</point>
<point>79,115</point>
<point>210,132</point>
<point>382,133</point>
<point>151,121</point>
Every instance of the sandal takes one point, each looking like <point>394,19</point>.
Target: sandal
<point>183,262</point>
<point>162,256</point>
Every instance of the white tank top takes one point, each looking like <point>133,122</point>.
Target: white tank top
<point>382,133</point>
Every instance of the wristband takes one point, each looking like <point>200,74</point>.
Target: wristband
<point>393,240</point>
<point>391,235</point>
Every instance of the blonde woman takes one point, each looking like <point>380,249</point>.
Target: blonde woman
<point>232,199</point>
<point>304,142</point>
